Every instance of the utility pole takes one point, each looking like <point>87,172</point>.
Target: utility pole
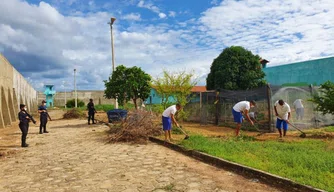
<point>75,90</point>
<point>64,84</point>
<point>112,20</point>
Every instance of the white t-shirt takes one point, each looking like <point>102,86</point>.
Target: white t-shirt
<point>282,110</point>
<point>242,106</point>
<point>169,111</point>
<point>298,104</point>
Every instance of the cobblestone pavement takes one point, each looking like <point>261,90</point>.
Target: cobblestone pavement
<point>74,157</point>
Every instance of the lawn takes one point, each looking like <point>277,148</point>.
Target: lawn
<point>306,161</point>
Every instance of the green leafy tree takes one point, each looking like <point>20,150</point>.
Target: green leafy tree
<point>325,98</point>
<point>177,85</point>
<point>127,84</point>
<point>235,69</point>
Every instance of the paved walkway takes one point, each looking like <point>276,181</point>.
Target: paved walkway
<point>74,157</point>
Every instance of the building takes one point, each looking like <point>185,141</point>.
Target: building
<point>49,95</point>
<point>303,73</point>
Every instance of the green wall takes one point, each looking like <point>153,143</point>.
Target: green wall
<point>313,72</point>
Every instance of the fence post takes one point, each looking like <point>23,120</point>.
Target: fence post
<point>313,108</point>
<point>269,107</point>
<point>217,101</point>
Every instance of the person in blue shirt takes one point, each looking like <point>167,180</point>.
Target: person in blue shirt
<point>24,118</point>
<point>42,110</point>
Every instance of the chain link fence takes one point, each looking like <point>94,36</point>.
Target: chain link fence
<point>215,107</point>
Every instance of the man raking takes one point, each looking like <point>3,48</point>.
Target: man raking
<point>240,108</point>
<point>167,117</point>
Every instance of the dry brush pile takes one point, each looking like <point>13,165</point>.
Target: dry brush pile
<point>74,114</point>
<point>137,128</point>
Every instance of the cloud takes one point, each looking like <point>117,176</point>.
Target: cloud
<point>172,14</point>
<point>162,15</point>
<point>280,31</point>
<point>46,44</point>
<point>215,2</point>
<point>151,7</point>
<point>132,17</point>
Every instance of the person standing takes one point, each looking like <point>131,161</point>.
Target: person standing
<point>91,111</point>
<point>283,113</point>
<point>168,116</point>
<point>238,110</point>
<point>299,107</point>
<point>44,115</point>
<point>24,118</point>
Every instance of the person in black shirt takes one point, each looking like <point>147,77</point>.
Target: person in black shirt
<point>24,118</point>
<point>91,111</point>
<point>42,110</point>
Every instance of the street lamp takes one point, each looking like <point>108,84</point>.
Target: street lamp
<point>64,84</point>
<point>112,20</point>
<point>75,90</point>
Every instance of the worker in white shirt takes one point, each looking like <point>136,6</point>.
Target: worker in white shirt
<point>168,116</point>
<point>283,114</point>
<point>299,107</point>
<point>239,109</point>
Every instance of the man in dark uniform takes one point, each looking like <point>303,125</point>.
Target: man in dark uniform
<point>24,118</point>
<point>91,111</point>
<point>42,110</point>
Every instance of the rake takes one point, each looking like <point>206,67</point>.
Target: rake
<point>186,135</point>
<point>303,135</point>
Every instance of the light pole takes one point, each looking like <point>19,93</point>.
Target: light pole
<point>112,20</point>
<point>64,84</point>
<point>75,90</point>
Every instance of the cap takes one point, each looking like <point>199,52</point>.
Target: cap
<point>43,101</point>
<point>22,105</point>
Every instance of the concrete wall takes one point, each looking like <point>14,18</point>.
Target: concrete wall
<point>14,89</point>
<point>59,99</point>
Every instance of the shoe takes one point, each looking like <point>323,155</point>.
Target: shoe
<point>46,132</point>
<point>94,123</point>
<point>25,145</point>
<point>40,132</point>
<point>88,123</point>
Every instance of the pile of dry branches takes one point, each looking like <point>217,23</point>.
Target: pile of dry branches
<point>137,128</point>
<point>74,114</point>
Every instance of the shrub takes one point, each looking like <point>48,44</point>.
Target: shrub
<point>71,103</point>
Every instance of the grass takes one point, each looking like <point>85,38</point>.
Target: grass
<point>329,129</point>
<point>309,161</point>
<point>104,108</point>
<point>168,187</point>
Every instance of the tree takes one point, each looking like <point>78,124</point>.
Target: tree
<point>177,85</point>
<point>235,69</point>
<point>325,98</point>
<point>127,84</point>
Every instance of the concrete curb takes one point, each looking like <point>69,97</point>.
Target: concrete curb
<point>264,177</point>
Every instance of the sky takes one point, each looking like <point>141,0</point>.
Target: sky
<point>46,40</point>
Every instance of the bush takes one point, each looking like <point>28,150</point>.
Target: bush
<point>71,103</point>
<point>325,98</point>
<point>156,108</point>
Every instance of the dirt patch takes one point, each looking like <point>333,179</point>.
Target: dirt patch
<point>225,132</point>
